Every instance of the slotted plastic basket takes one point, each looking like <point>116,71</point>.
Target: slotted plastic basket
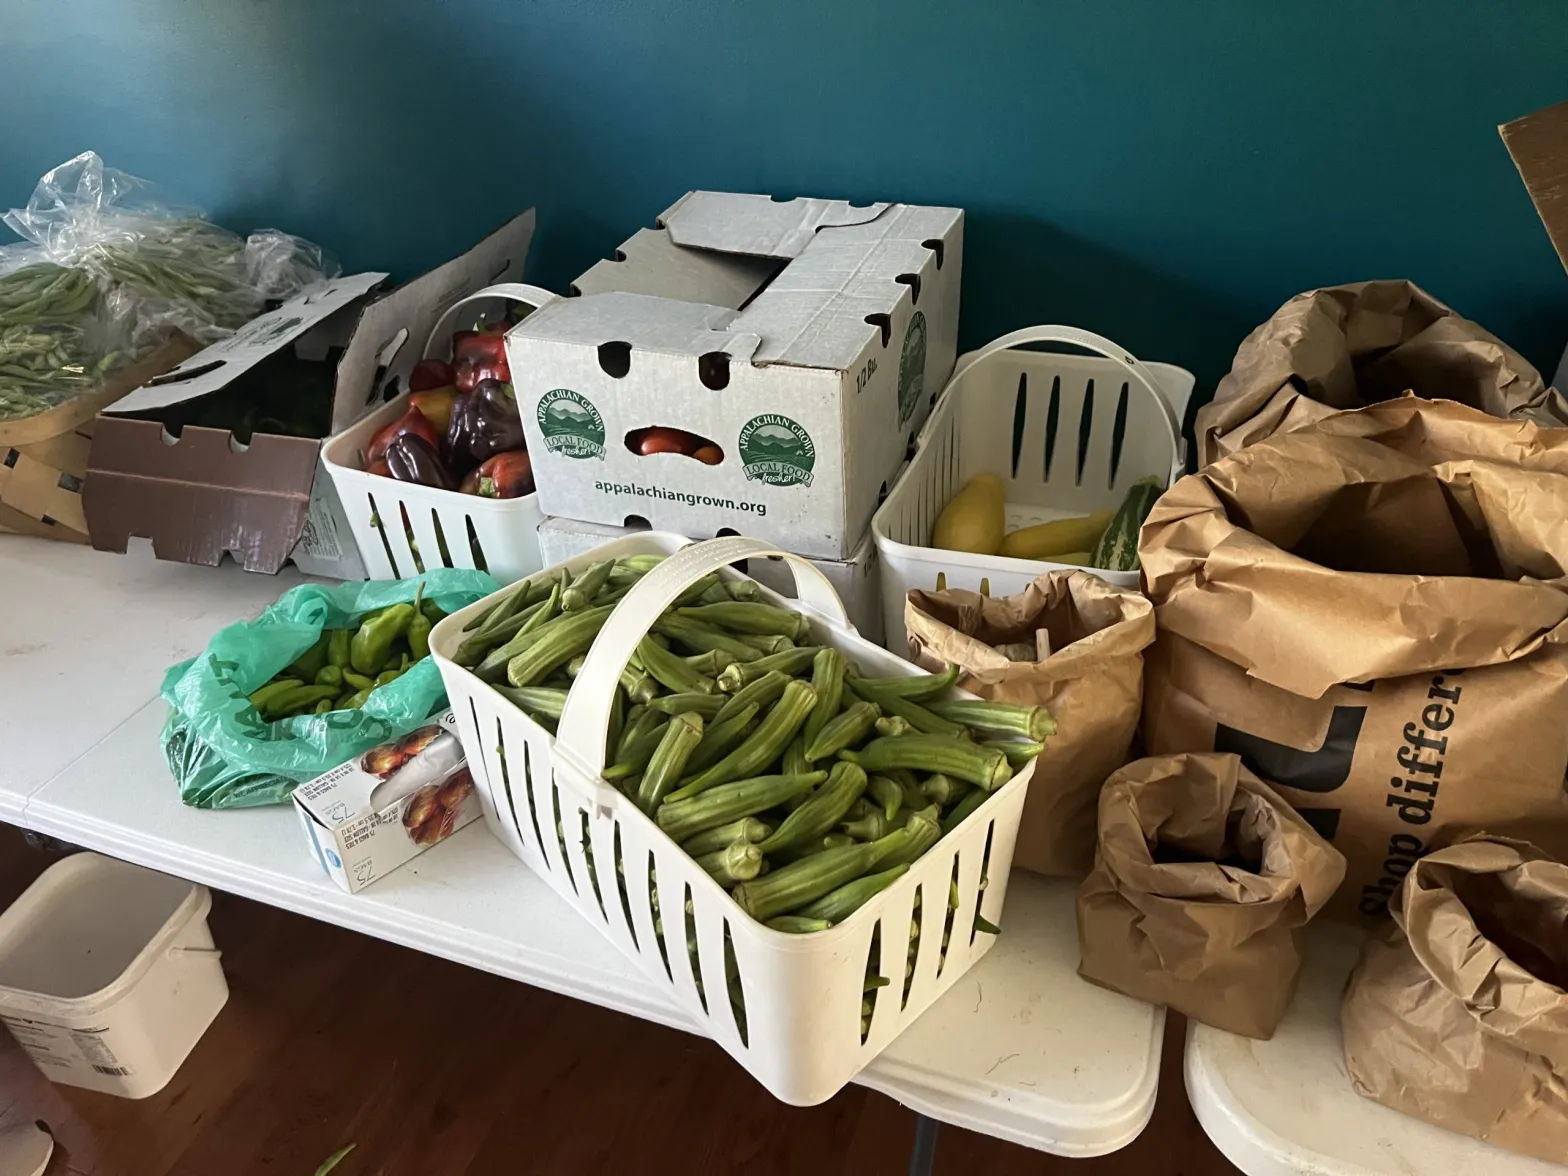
<point>403,528</point>
<point>1067,434</point>
<point>543,796</point>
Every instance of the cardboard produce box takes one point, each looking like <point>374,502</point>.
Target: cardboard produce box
<point>854,579</point>
<point>804,340</point>
<point>198,491</point>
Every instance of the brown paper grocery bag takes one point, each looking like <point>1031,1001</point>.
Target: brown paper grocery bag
<point>1201,884</point>
<point>1349,346</point>
<point>1079,643</point>
<point>1373,612</point>
<point>1457,1012</point>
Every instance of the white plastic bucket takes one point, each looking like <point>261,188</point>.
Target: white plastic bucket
<point>1046,424</point>
<point>108,974</point>
<point>403,528</point>
<point>544,797</point>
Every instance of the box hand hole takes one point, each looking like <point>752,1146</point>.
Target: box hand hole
<point>883,323</point>
<point>665,439</point>
<point>913,282</point>
<point>713,369</point>
<point>938,247</point>
<point>615,359</point>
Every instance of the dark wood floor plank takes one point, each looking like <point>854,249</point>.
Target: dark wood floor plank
<point>433,1069</point>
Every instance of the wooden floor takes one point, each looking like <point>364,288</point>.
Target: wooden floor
<point>434,1069</point>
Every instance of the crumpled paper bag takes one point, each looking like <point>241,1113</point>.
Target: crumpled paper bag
<point>1079,646</point>
<point>1202,882</point>
<point>1457,1012</point>
<point>1373,612</point>
<point>1349,346</point>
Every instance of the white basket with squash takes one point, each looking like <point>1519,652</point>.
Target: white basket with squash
<point>773,964</point>
<point>1040,460</point>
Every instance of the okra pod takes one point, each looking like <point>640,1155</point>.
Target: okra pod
<point>683,819</point>
<point>828,668</point>
<point>722,738</point>
<point>795,753</point>
<point>635,754</point>
<point>767,645</point>
<point>493,667</point>
<point>743,589</point>
<point>501,609</point>
<point>706,705</point>
<point>764,692</point>
<point>617,724</point>
<point>925,830</point>
<point>1018,751</point>
<point>893,726</point>
<point>558,642</point>
<point>543,702</point>
<point>960,811</point>
<point>701,638</point>
<point>669,760</point>
<point>820,811</point>
<point>752,618</point>
<point>912,712</point>
<point>763,746</point>
<point>670,671</point>
<point>738,862</point>
<point>695,591</point>
<point>790,662</point>
<point>943,790</point>
<point>888,793</point>
<point>744,829</point>
<point>715,593</point>
<point>914,687</point>
<point>580,595</point>
<point>639,721</point>
<point>795,925</point>
<point>710,662</point>
<point>845,730</point>
<point>837,840</point>
<point>1032,722</point>
<point>791,887</point>
<point>958,758</point>
<point>868,828</point>
<point>838,905</point>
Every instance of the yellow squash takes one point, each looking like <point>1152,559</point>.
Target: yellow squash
<point>975,519</point>
<point>1049,540</point>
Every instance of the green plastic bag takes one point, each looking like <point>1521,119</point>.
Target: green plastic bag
<point>225,755</point>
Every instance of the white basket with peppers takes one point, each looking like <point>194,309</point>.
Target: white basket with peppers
<point>441,477</point>
<point>799,837</point>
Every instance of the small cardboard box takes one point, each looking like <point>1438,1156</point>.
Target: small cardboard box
<point>367,817</point>
<point>198,492</point>
<point>854,579</point>
<point>806,339</point>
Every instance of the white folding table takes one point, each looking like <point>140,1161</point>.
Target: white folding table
<point>1285,1107</point>
<point>1020,1048</point>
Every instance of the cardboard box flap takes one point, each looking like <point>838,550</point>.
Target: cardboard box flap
<point>392,330</point>
<point>647,323</point>
<point>218,365</point>
<point>651,263</point>
<point>734,222</point>
<point>1538,144</point>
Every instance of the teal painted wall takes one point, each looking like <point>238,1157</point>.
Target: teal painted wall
<point>1163,171</point>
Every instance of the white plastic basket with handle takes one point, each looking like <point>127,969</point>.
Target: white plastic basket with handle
<point>544,797</point>
<point>1067,434</point>
<point>448,529</point>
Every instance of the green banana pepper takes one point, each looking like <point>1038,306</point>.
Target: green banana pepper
<point>262,698</point>
<point>308,664</point>
<point>330,675</point>
<point>372,643</point>
<point>338,647</point>
<point>419,628</point>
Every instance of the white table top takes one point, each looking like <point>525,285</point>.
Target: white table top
<point>85,637</point>
<point>1285,1107</point>
<point>1020,1048</point>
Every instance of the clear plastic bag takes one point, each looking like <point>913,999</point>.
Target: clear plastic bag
<point>220,750</point>
<point>112,267</point>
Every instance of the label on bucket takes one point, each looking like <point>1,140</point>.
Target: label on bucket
<point>54,1047</point>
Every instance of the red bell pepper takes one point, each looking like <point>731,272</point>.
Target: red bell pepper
<point>412,421</point>
<point>470,372</point>
<point>506,475</point>
<point>431,373</point>
<point>436,404</point>
<point>482,346</point>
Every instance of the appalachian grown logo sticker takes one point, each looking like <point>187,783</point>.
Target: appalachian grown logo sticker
<point>912,367</point>
<point>571,424</point>
<point>777,451</point>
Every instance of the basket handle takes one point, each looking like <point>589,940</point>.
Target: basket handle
<point>1138,375</point>
<point>534,296</point>
<point>579,738</point>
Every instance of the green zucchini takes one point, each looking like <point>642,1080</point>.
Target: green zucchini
<point>1117,550</point>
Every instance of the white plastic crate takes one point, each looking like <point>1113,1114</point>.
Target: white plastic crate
<point>544,798</point>
<point>1046,424</point>
<point>450,529</point>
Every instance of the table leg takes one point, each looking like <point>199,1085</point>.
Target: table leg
<point>924,1155</point>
